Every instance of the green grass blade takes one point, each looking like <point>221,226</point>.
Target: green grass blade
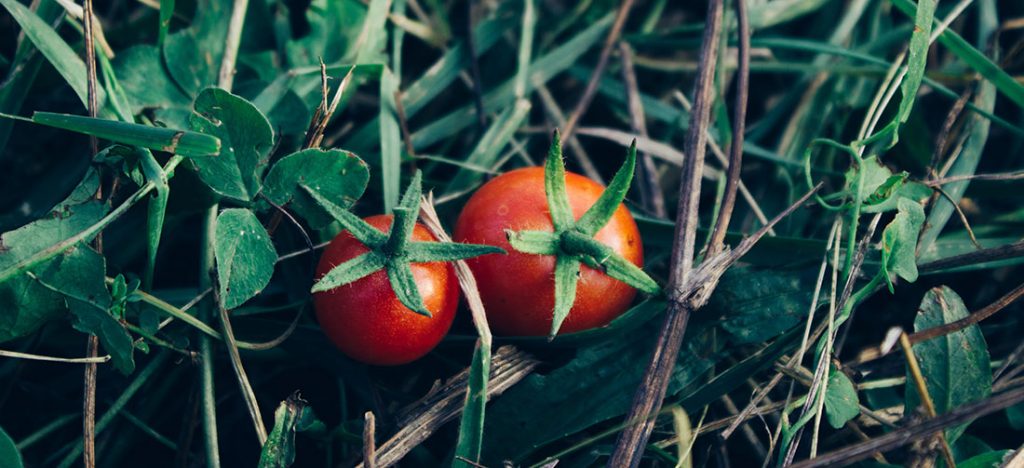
<point>352,270</point>
<point>490,145</point>
<point>543,69</point>
<point>390,140</point>
<point>471,426</point>
<point>974,58</point>
<point>598,215</point>
<point>567,270</point>
<point>166,13</point>
<point>56,51</point>
<point>403,283</point>
<point>525,49</point>
<point>182,142</point>
<point>554,187</point>
<point>156,211</point>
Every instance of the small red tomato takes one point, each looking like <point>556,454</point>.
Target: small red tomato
<point>518,289</point>
<point>364,318</point>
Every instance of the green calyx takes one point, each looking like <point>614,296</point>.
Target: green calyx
<point>393,252</point>
<point>572,241</point>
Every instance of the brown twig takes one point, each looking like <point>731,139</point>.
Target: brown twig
<point>1015,175</point>
<point>738,128</point>
<point>92,346</point>
<point>647,174</point>
<point>369,441</point>
<point>972,319</point>
<point>1003,252</point>
<point>404,124</point>
<point>960,214</point>
<point>914,432</point>
<point>602,61</point>
<point>922,392</point>
<point>649,394</point>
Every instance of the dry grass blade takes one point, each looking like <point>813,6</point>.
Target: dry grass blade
<point>1004,252</point>
<point>580,154</point>
<point>243,378</point>
<point>922,392</point>
<point>588,93</point>
<point>369,440</point>
<point>647,174</point>
<point>424,417</point>
<point>37,357</point>
<point>92,347</point>
<point>648,397</point>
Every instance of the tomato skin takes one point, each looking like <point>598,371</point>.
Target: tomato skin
<point>518,289</point>
<point>365,319</point>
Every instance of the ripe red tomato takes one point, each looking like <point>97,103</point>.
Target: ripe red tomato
<point>366,320</point>
<point>518,289</point>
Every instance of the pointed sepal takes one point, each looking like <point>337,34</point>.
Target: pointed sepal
<point>425,252</point>
<point>602,210</point>
<point>533,242</point>
<point>352,270</point>
<point>554,187</point>
<point>567,271</point>
<point>355,225</point>
<point>403,283</point>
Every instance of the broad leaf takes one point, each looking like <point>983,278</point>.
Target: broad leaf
<point>245,138</point>
<point>193,55</point>
<point>79,275</point>
<point>141,72</point>
<point>841,402</point>
<point>758,304</point>
<point>337,176</point>
<point>9,454</point>
<point>956,366</point>
<point>279,450</point>
<point>245,256</point>
<point>899,241</point>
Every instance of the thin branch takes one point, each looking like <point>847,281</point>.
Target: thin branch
<point>738,128</point>
<point>38,357</point>
<point>649,395</point>
<point>646,174</point>
<point>969,320</point>
<point>1006,176</point>
<point>92,347</point>
<point>914,432</point>
<point>602,61</point>
<point>1004,252</point>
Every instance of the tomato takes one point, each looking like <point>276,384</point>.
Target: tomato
<point>366,321</point>
<point>518,289</point>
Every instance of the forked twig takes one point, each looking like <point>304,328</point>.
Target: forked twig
<point>649,394</point>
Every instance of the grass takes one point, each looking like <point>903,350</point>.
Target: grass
<point>792,359</point>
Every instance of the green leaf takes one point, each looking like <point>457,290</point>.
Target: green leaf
<point>471,425</point>
<point>279,450</point>
<point>169,140</point>
<point>899,241</point>
<point>403,283</point>
<point>246,139</point>
<point>956,366</point>
<point>245,256</point>
<point>406,212</point>
<point>611,199</point>
<point>374,34</point>
<point>351,271</point>
<point>993,459</point>
<point>757,304</point>
<point>193,55</point>
<point>79,275</point>
<point>554,187</point>
<point>913,191</point>
<point>335,175</point>
<point>424,252</point>
<point>841,402</point>
<point>9,454</point>
<point>355,225</point>
<point>390,139</point>
<point>974,58</point>
<point>141,72</point>
<point>166,13</point>
<point>567,271</point>
<point>534,242</point>
<point>56,51</point>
